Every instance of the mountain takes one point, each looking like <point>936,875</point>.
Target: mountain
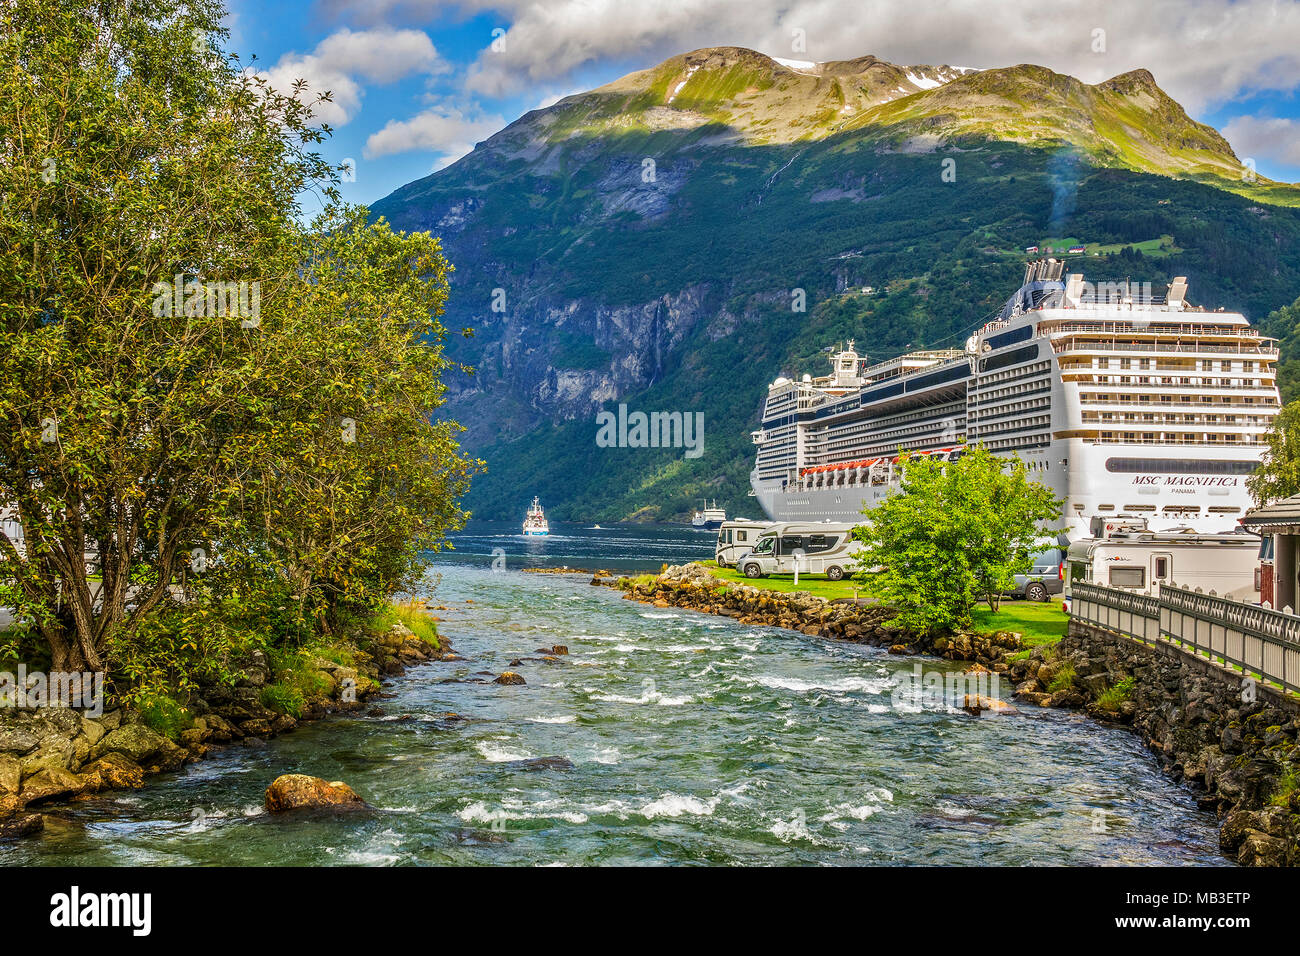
<point>650,243</point>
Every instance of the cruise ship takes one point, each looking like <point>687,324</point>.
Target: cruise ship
<point>1124,402</point>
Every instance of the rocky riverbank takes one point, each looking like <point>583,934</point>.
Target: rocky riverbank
<point>863,621</point>
<point>1233,741</point>
<point>1236,747</point>
<point>53,754</point>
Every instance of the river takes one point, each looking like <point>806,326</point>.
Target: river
<point>692,739</point>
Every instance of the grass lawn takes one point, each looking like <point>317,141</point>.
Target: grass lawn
<point>1161,246</point>
<point>1039,623</point>
<point>815,584</point>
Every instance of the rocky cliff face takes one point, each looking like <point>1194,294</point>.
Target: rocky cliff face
<point>645,241</point>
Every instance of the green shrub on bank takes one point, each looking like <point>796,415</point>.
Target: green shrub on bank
<point>175,650</point>
<point>1113,697</point>
<point>414,616</point>
<point>1286,786</point>
<point>164,714</point>
<point>1063,680</point>
<point>283,698</point>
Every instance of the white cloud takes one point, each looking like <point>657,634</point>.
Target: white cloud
<point>1258,137</point>
<point>1201,51</point>
<point>345,58</point>
<point>383,56</point>
<point>445,131</point>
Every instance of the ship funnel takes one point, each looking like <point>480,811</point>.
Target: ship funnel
<point>1177,294</point>
<point>1074,290</point>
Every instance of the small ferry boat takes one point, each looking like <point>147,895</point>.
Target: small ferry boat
<point>708,518</point>
<point>535,520</point>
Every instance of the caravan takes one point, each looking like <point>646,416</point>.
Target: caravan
<point>735,537</point>
<point>810,548</point>
<point>1123,554</point>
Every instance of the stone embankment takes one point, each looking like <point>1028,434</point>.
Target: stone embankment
<point>49,754</point>
<point>864,622</point>
<point>1233,741</point>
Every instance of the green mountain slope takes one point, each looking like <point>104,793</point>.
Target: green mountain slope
<point>647,243</point>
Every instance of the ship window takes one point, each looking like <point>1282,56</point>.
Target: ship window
<point>1139,507</point>
<point>1128,577</point>
<point>1179,466</point>
<point>1162,567</point>
<point>1014,357</point>
<point>1105,507</point>
<point>1009,338</point>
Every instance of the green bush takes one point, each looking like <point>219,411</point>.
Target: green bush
<point>1063,680</point>
<point>1112,697</point>
<point>163,714</point>
<point>283,698</point>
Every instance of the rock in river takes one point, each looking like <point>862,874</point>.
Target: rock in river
<point>509,677</point>
<point>977,704</point>
<point>24,824</point>
<point>298,791</point>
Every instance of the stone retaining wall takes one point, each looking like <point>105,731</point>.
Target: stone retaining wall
<point>1235,742</point>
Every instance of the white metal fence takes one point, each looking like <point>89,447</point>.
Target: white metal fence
<point>1258,640</point>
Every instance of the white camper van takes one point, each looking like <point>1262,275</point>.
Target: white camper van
<point>815,548</point>
<point>1123,554</point>
<point>735,537</point>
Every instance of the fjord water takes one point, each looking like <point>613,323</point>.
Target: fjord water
<point>693,739</point>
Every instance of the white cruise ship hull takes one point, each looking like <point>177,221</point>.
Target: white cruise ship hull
<point>1126,405</point>
<point>1085,485</point>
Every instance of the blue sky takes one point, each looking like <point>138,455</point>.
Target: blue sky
<point>417,82</point>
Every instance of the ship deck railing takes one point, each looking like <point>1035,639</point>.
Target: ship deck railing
<point>1138,326</point>
<point>1062,347</point>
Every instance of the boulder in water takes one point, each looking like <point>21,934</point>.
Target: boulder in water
<point>977,703</point>
<point>299,791</point>
<point>509,677</point>
<point>21,825</point>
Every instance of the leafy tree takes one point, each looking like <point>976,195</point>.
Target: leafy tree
<point>167,433</point>
<point>1278,475</point>
<point>349,481</point>
<point>953,533</point>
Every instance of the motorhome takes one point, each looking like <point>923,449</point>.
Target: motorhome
<point>827,548</point>
<point>735,538</point>
<point>1122,553</point>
